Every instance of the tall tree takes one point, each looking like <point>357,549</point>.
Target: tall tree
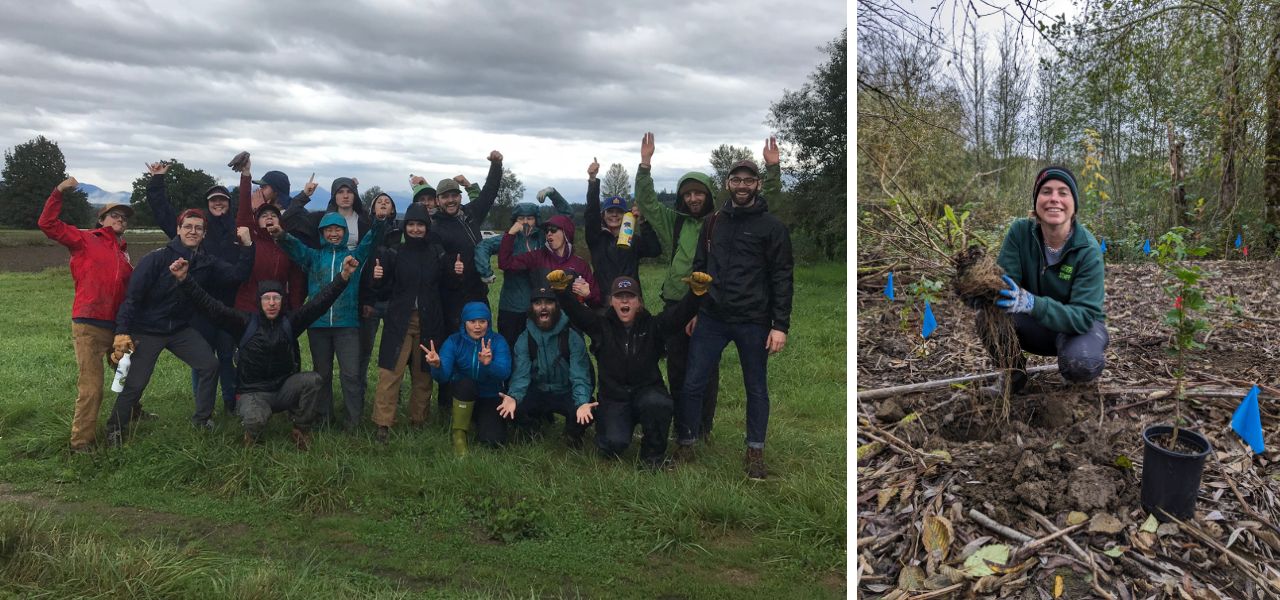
<point>723,158</point>
<point>814,121</point>
<point>31,170</point>
<point>367,197</point>
<point>617,182</point>
<point>971,68</point>
<point>185,188</point>
<point>1008,99</point>
<point>510,191</point>
<point>1271,150</point>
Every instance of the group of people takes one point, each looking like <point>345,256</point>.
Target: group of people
<point>236,286</point>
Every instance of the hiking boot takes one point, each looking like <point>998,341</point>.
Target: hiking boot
<point>249,440</point>
<point>572,440</point>
<point>995,391</point>
<point>755,464</point>
<point>683,454</point>
<point>206,426</point>
<point>656,463</point>
<point>301,439</point>
<point>384,433</point>
<point>115,439</point>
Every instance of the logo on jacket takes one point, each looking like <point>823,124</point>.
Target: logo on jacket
<point>1065,273</point>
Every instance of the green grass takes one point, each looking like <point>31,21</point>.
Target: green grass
<point>177,514</point>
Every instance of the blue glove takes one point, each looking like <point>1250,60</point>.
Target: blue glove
<point>1016,299</point>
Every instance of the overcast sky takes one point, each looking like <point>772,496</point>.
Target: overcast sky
<point>379,90</point>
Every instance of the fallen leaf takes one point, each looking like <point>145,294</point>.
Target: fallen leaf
<point>1214,516</point>
<point>1105,523</point>
<point>1057,586</point>
<point>866,451</point>
<point>1167,529</point>
<point>909,418</point>
<point>943,454</point>
<point>1116,551</point>
<point>883,497</point>
<point>976,564</point>
<point>937,535</point>
<point>1124,462</point>
<point>911,578</point>
<point>878,587</point>
<point>1150,525</point>
<point>1076,517</point>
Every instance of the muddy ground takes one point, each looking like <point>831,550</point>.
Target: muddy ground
<point>1067,449</point>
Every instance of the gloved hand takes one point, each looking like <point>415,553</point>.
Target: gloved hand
<point>698,281</point>
<point>560,279</point>
<point>1016,299</point>
<point>542,193</point>
<point>122,345</point>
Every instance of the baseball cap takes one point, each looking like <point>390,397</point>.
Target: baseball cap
<point>613,202</point>
<point>624,284</point>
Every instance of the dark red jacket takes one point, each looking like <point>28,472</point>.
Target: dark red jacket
<point>99,263</point>
<point>269,260</point>
<point>542,261</point>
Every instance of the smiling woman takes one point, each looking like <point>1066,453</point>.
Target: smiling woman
<point>1054,273</point>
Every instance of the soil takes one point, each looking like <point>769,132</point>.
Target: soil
<point>36,258</point>
<point>1065,447</point>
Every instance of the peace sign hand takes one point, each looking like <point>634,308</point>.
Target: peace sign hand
<point>430,355</point>
<point>486,351</point>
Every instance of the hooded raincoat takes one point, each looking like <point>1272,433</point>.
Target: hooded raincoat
<point>459,356</point>
<point>323,264</point>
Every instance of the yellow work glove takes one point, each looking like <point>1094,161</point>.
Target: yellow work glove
<point>699,282</point>
<point>560,279</point>
<point>122,345</point>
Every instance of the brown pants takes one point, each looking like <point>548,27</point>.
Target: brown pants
<point>388,394</point>
<point>92,344</point>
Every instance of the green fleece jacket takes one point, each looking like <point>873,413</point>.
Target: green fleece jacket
<point>1069,294</point>
<point>664,220</point>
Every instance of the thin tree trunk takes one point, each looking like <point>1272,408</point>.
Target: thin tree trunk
<point>1232,120</point>
<point>1271,158</point>
<point>1177,191</point>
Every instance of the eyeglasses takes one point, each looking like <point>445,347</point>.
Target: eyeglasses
<point>743,180</point>
<point>192,227</point>
<point>117,215</point>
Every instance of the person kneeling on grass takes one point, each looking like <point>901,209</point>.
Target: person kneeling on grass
<point>628,341</point>
<point>269,376</point>
<point>476,362</point>
<point>1053,267</point>
<point>552,373</point>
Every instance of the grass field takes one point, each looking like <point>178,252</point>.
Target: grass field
<point>176,514</point>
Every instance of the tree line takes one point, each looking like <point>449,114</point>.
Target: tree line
<point>1168,112</point>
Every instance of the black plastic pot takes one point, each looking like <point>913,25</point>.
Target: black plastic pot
<point>1171,480</point>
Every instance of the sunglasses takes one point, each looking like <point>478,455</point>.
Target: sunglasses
<point>551,228</point>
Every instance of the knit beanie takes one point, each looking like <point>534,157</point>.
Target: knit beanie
<point>1062,174</point>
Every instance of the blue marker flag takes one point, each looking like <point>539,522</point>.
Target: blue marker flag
<point>1103,246</point>
<point>1146,247</point>
<point>1239,240</point>
<point>930,323</point>
<point>888,289</point>
<point>1247,421</point>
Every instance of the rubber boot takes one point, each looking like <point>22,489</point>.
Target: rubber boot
<point>461,425</point>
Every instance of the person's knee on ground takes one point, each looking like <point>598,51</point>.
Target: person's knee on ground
<point>1080,369</point>
<point>655,403</point>
<point>254,413</point>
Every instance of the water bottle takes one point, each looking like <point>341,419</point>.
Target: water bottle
<point>122,373</point>
<point>627,230</point>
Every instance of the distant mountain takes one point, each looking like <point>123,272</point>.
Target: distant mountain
<point>101,197</point>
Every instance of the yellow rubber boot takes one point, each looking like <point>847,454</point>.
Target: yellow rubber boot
<point>461,425</point>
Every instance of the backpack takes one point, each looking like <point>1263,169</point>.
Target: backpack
<point>563,342</point>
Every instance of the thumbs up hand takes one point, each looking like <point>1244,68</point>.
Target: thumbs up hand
<point>377,269</point>
<point>458,267</point>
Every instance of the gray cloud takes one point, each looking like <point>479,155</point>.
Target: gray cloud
<point>381,89</point>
